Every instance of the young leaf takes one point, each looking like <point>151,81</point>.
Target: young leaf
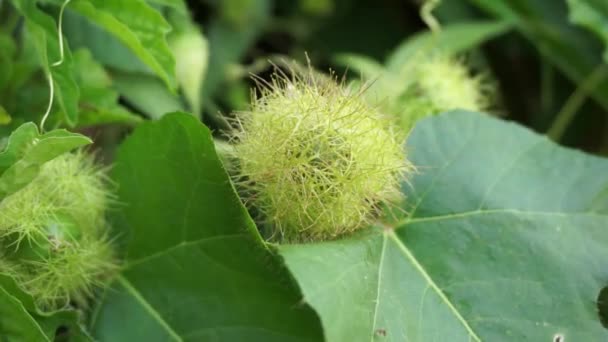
<point>27,149</point>
<point>506,240</point>
<point>196,268</point>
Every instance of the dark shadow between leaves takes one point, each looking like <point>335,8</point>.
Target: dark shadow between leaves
<point>602,306</point>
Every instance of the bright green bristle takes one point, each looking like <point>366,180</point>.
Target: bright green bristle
<point>53,231</point>
<point>317,159</point>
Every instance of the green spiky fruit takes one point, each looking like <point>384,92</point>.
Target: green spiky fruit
<point>316,159</point>
<point>447,84</point>
<point>53,231</point>
<point>432,84</point>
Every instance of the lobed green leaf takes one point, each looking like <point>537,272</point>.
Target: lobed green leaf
<point>196,268</point>
<point>505,240</point>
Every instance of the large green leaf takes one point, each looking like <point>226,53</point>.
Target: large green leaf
<point>43,31</point>
<point>592,14</point>
<point>27,150</point>
<point>196,268</point>
<point>137,25</point>
<point>506,241</point>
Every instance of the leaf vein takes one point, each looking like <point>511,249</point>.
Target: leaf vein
<point>434,286</point>
<point>180,245</point>
<point>127,285</point>
<point>377,304</point>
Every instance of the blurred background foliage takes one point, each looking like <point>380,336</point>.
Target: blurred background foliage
<point>545,58</point>
<point>549,70</point>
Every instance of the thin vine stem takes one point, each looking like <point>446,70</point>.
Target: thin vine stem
<point>51,97</point>
<point>572,105</point>
<point>60,32</point>
<point>426,13</point>
<point>49,108</point>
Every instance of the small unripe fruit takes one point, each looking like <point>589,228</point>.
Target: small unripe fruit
<point>317,160</point>
<point>447,84</point>
<point>53,231</point>
<point>432,84</point>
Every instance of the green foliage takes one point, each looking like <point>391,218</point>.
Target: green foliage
<point>481,248</point>
<point>191,50</point>
<point>45,37</point>
<point>452,40</point>
<point>98,99</point>
<point>292,214</point>
<point>139,27</point>
<point>592,14</point>
<point>147,94</point>
<point>7,53</point>
<point>82,101</point>
<point>27,150</point>
<point>197,269</point>
<point>229,41</point>
<point>545,24</point>
<point>426,75</point>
